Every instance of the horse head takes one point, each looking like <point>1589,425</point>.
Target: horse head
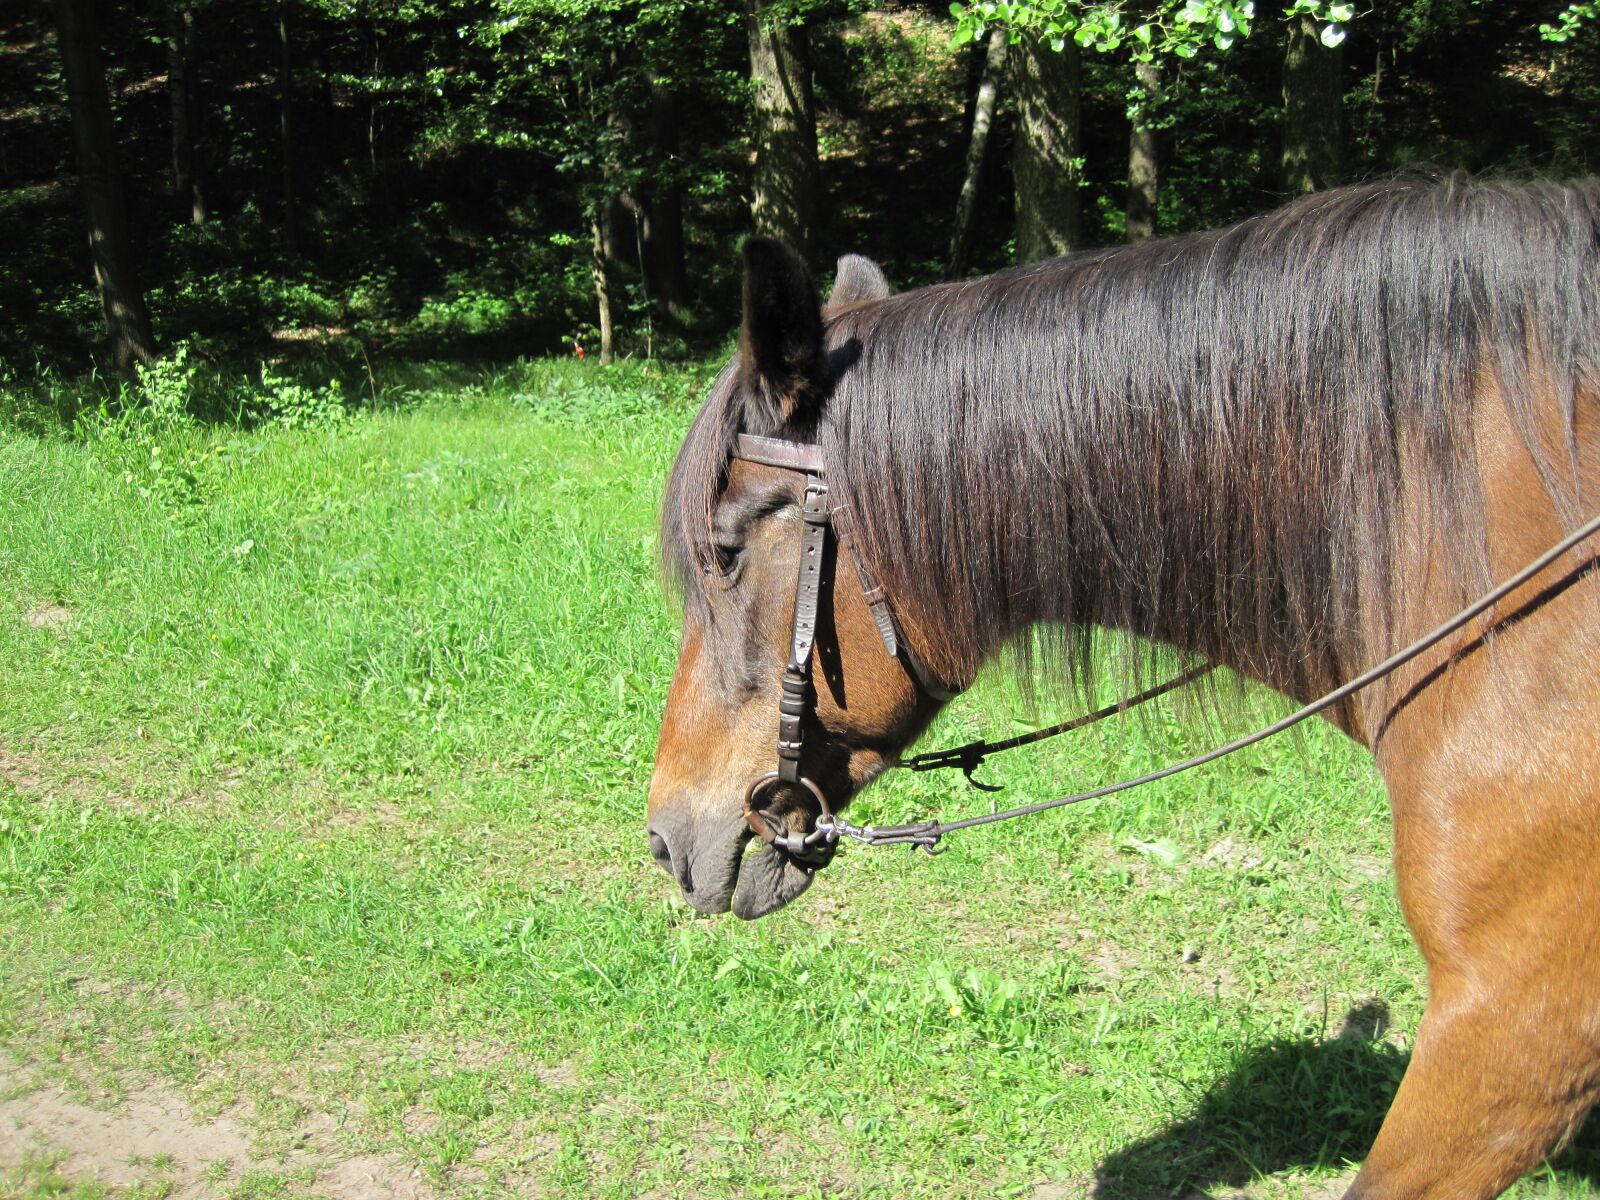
<point>734,538</point>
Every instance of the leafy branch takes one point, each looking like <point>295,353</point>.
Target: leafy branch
<point>1570,22</point>
<point>1180,28</point>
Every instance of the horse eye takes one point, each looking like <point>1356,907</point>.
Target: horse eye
<point>724,562</point>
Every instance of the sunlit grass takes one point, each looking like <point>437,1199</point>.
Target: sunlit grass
<point>322,786</point>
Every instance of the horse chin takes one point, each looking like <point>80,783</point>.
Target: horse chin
<point>768,879</point>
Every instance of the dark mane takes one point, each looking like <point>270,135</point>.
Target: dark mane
<point>1198,439</point>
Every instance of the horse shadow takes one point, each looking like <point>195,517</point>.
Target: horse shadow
<point>1291,1105</point>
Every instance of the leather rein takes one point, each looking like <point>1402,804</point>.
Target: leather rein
<point>817,847</point>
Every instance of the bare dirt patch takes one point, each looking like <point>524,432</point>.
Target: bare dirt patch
<point>19,772</point>
<point>117,1147</point>
<point>1234,854</point>
<point>113,781</point>
<point>54,617</point>
<point>27,775</point>
<point>152,1137</point>
<point>1288,1187</point>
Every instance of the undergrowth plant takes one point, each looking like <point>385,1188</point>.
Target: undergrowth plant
<point>295,405</point>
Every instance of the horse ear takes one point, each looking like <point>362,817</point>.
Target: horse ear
<point>856,279</point>
<point>781,341</point>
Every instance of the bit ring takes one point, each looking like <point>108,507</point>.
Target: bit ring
<point>764,784</point>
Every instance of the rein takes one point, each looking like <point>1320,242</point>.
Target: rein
<point>969,757</point>
<point>816,849</point>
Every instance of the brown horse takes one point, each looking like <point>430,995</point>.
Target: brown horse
<point>1287,447</point>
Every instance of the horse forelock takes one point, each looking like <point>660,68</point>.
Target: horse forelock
<point>700,470</point>
<point>693,484</point>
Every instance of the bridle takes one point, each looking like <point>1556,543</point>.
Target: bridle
<point>821,520</point>
<point>815,849</point>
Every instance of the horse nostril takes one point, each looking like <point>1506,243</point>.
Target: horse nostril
<point>679,868</point>
<point>659,851</point>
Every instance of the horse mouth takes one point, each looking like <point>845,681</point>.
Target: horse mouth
<point>733,870</point>
<point>766,880</point>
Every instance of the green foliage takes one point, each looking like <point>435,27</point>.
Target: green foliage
<point>294,405</point>
<point>1146,31</point>
<point>145,433</point>
<point>160,396</point>
<point>522,292</point>
<point>558,77</point>
<point>1180,28</point>
<point>449,159</point>
<point>1570,22</point>
<point>1333,15</point>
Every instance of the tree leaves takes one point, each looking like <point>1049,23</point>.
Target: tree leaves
<point>1570,22</point>
<point>1179,28</point>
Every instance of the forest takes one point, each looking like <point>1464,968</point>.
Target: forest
<point>351,180</point>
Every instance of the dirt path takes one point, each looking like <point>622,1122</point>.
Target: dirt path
<point>151,1137</point>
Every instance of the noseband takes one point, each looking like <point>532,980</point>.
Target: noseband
<point>798,699</point>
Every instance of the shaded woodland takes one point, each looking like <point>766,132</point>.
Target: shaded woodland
<point>503,178</point>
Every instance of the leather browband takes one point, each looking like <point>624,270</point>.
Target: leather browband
<point>775,452</point>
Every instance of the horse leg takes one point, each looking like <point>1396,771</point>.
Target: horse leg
<point>1493,783</point>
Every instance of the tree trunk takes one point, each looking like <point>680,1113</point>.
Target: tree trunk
<point>1144,166</point>
<point>186,189</point>
<point>661,213</point>
<point>1312,103</point>
<point>1045,164</point>
<point>994,62</point>
<point>601,267</point>
<point>375,82</point>
<point>618,240</point>
<point>291,231</point>
<point>784,181</point>
<point>619,150</point>
<point>94,141</point>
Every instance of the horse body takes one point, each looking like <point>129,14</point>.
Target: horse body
<point>1486,750</point>
<point>1288,447</point>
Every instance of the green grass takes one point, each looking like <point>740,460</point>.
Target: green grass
<point>321,798</point>
<point>40,1178</point>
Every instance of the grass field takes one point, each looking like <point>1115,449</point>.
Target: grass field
<point>323,754</point>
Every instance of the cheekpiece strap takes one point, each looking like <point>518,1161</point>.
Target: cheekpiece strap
<point>792,704</point>
<point>871,590</point>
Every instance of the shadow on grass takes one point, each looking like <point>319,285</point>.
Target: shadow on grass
<point>1292,1105</point>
